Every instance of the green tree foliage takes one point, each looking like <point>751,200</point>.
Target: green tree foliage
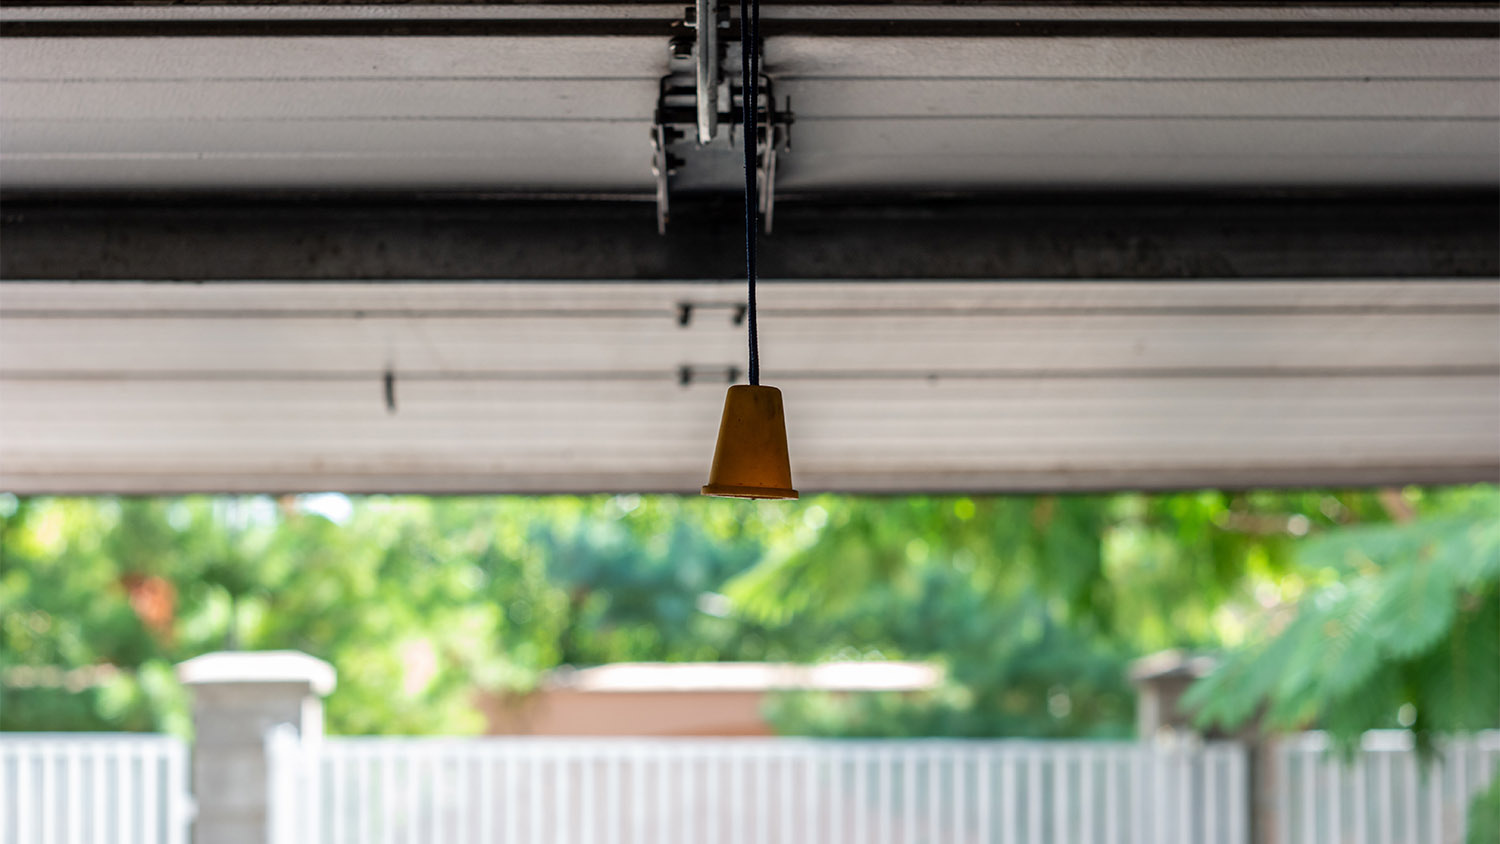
<point>998,590</point>
<point>417,602</point>
<point>1484,813</point>
<point>1402,615</point>
<point>1034,605</point>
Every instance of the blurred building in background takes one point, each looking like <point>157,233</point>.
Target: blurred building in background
<point>685,699</point>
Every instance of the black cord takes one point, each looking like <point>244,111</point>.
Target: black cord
<point>749,100</point>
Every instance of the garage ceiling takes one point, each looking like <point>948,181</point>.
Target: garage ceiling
<point>1019,246</point>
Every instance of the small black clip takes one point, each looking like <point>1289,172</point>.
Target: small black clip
<point>390,391</point>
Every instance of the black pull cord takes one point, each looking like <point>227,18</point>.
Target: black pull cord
<point>750,100</point>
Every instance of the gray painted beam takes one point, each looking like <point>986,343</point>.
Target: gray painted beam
<point>1225,235</point>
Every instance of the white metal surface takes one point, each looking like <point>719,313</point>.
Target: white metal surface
<point>104,788</point>
<point>554,386</point>
<point>758,791</point>
<point>873,112</point>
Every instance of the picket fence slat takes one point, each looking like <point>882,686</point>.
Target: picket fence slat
<point>101,788</point>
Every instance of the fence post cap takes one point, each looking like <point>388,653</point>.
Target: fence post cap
<point>1171,665</point>
<point>259,667</point>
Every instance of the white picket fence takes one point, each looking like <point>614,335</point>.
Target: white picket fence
<point>93,788</point>
<point>1384,795</point>
<point>755,791</point>
<point>82,788</point>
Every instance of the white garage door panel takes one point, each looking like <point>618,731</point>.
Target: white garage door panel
<point>529,142</point>
<point>894,385</point>
<point>124,97</point>
<point>309,59</point>
<point>311,415</point>
<point>407,170</point>
<point>1165,170</point>
<point>612,298</point>
<point>1128,58</point>
<point>460,437</point>
<point>1133,138</point>
<point>542,113</point>
<point>794,344</point>
<point>334,171</point>
<point>853,329</point>
<point>599,99</point>
<point>275,113</point>
<point>909,10</point>
<point>1009,97</point>
<point>524,155</point>
<point>843,98</point>
<point>351,344</point>
<point>313,418</point>
<point>1319,415</point>
<point>958,152</point>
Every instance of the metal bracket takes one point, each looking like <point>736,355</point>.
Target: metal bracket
<point>777,128</point>
<point>693,105</point>
<point>664,165</point>
<point>708,17</point>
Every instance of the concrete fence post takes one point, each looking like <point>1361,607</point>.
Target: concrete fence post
<point>1161,680</point>
<point>237,699</point>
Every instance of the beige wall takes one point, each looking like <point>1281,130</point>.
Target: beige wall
<point>567,712</point>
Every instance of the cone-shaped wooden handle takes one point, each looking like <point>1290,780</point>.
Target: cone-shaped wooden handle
<point>750,460</point>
